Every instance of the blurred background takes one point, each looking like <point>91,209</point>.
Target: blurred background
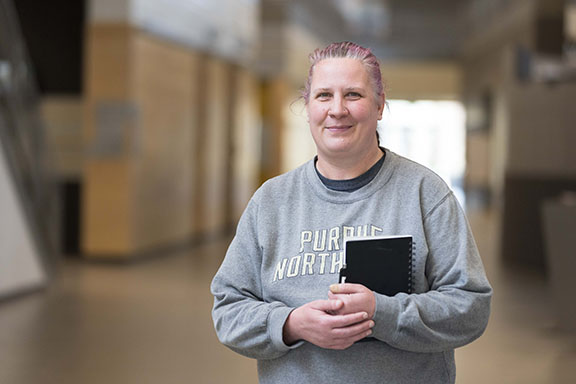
<point>133,133</point>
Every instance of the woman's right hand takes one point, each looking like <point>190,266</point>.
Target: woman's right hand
<point>313,322</point>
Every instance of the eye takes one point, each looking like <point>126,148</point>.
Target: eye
<point>353,95</point>
<point>323,95</point>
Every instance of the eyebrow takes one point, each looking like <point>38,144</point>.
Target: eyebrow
<point>348,89</point>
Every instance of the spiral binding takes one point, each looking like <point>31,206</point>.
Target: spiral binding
<point>411,267</point>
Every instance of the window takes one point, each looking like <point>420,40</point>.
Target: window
<point>431,133</point>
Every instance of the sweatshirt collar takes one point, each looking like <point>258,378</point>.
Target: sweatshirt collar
<point>341,197</point>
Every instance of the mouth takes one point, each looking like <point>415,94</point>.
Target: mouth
<point>338,128</point>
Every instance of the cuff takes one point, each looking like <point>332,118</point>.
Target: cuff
<point>385,317</point>
<point>276,321</point>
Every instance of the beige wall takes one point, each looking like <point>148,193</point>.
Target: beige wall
<point>215,141</point>
<point>274,96</point>
<point>246,140</point>
<point>422,80</point>
<point>169,133</point>
<point>163,89</point>
<point>109,172</point>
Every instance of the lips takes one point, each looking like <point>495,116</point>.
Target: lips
<point>338,128</point>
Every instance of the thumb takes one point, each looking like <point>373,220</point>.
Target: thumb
<point>347,288</point>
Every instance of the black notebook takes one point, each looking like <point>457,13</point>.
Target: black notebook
<point>382,264</point>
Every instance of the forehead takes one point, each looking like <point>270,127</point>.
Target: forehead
<point>335,72</point>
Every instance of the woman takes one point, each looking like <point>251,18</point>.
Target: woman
<point>275,294</point>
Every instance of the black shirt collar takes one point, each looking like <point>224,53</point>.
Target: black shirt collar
<point>356,183</point>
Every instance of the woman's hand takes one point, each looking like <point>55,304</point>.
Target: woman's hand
<point>319,323</point>
<point>355,298</point>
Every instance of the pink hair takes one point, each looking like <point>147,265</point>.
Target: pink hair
<point>349,50</point>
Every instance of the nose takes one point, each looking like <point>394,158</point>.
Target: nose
<point>338,108</point>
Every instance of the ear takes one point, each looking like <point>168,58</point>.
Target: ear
<point>381,105</point>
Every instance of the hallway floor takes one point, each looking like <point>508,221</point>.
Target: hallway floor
<point>150,323</point>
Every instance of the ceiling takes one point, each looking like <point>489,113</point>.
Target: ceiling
<point>394,29</point>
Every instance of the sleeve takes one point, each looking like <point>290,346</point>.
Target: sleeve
<point>455,310</point>
<point>243,321</point>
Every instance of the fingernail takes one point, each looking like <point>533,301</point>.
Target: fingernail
<point>334,288</point>
<point>368,333</point>
<point>365,315</point>
<point>371,324</point>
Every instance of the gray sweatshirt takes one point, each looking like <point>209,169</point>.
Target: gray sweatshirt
<point>288,249</point>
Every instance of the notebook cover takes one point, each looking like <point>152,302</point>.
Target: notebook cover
<point>382,264</point>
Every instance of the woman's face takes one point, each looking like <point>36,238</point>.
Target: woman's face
<point>342,109</point>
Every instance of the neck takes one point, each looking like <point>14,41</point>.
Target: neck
<point>345,168</point>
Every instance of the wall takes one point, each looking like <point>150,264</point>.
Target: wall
<point>522,151</point>
<point>543,116</point>
<point>216,136</point>
<point>208,26</point>
<point>433,80</point>
<point>162,89</point>
<point>164,141</point>
<point>62,116</point>
<point>246,150</point>
<point>109,125</point>
<point>541,164</point>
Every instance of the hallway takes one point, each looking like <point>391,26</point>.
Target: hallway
<point>150,323</point>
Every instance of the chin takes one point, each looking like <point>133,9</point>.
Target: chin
<point>338,147</point>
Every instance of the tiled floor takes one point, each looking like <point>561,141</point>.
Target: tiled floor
<point>150,323</point>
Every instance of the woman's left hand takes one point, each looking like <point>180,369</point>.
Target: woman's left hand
<point>356,298</point>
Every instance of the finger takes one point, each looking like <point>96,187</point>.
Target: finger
<point>344,298</point>
<point>327,305</point>
<point>356,331</point>
<point>347,288</point>
<point>332,296</point>
<point>340,321</point>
